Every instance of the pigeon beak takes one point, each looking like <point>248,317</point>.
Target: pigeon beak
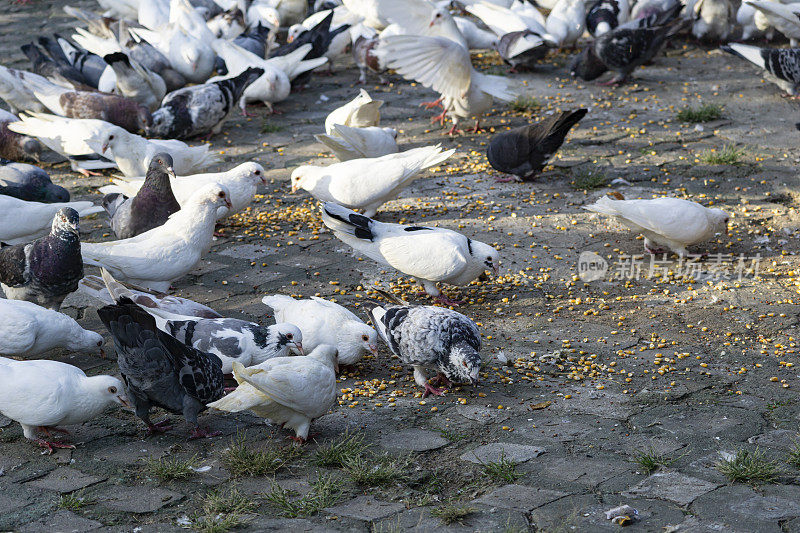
<point>373,349</point>
<point>473,381</point>
<point>289,38</point>
<point>336,367</point>
<point>299,346</point>
<point>228,203</point>
<point>124,401</point>
<point>102,353</point>
<point>431,24</point>
<point>104,148</point>
<point>496,269</point>
<point>171,173</point>
<point>294,188</point>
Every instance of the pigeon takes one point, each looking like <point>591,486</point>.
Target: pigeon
<point>14,146</point>
<point>48,269</point>
<point>289,391</point>
<point>228,24</point>
<point>624,48</point>
<point>114,109</point>
<point>241,182</point>
<point>782,64</point>
<point>91,67</point>
<point>714,20</point>
<point>342,18</point>
<point>566,22</point>
<point>321,35</point>
<point>153,14</point>
<point>477,38</point>
<point>431,255</point>
<point>230,339</point>
<point>426,336</point>
<point>29,329</point>
<point>445,66</point>
<point>159,370</point>
<point>22,222</point>
<point>16,92</point>
<point>255,40</point>
<point>326,322</point>
<point>29,183</point>
<point>137,82</point>
<point>644,9</point>
<point>188,55</point>
<point>746,18</point>
<point>200,109</point>
<point>370,10</point>
<point>48,68</point>
<point>43,394</point>
<point>665,222</point>
<point>360,112</point>
<point>132,153</point>
<point>524,151</point>
<point>783,17</point>
<point>421,17</point>
<point>605,15</point>
<point>363,41</point>
<point>108,290</point>
<point>355,143</point>
<point>155,258</point>
<point>67,137</point>
<point>345,183</point>
<point>152,205</point>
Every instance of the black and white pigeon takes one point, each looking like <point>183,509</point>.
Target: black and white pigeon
<point>431,255</point>
<point>152,205</point>
<point>200,109</point>
<point>158,370</point>
<point>431,337</point>
<point>50,68</point>
<point>605,15</point>
<point>319,37</point>
<point>15,146</point>
<point>524,151</point>
<point>29,183</point>
<point>626,47</point>
<point>48,269</point>
<point>254,41</point>
<point>782,64</point>
<point>91,66</point>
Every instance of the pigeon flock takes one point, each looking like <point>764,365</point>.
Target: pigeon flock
<point>139,78</point>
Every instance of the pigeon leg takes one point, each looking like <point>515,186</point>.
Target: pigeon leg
<point>441,379</point>
<point>616,81</point>
<point>88,173</point>
<point>431,105</point>
<point>203,433</point>
<point>432,390</point>
<point>477,128</point>
<point>499,179</point>
<point>298,440</point>
<point>50,445</point>
<point>439,118</point>
<point>454,130</point>
<point>246,114</point>
<point>47,429</point>
<point>158,427</point>
<point>444,300</point>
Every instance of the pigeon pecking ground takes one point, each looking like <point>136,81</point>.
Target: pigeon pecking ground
<point>601,382</point>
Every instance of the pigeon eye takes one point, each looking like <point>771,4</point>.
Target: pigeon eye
<point>99,343</point>
<point>464,363</point>
<point>221,194</point>
<point>110,137</point>
<point>257,173</point>
<point>290,336</point>
<point>112,390</point>
<point>364,338</point>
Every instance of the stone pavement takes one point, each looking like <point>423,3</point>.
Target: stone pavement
<point>593,395</point>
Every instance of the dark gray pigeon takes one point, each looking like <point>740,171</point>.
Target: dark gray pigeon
<point>152,205</point>
<point>427,336</point>
<point>782,64</point>
<point>15,146</point>
<point>46,270</point>
<point>158,370</point>
<point>524,151</point>
<point>200,109</point>
<point>29,183</point>
<point>50,68</point>
<point>626,47</point>
<point>522,49</point>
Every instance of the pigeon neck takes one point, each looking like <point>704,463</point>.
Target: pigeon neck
<point>92,398</point>
<point>158,181</point>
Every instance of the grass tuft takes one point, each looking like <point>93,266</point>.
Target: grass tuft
<point>216,523</point>
<point>450,513</point>
<point>650,460</point>
<point>704,113</point>
<point>525,104</point>
<point>749,467</point>
<point>453,435</point>
<point>227,502</point>
<point>376,470</point>
<point>727,155</point>
<point>267,127</point>
<point>324,492</point>
<point>74,502</point>
<point>242,461</point>
<point>342,450</point>
<point>589,179</point>
<point>794,455</point>
<point>171,468</point>
<point>502,470</point>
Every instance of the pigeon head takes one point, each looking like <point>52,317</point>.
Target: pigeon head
<point>162,120</point>
<point>301,177</point>
<point>326,354</point>
<point>287,337</point>
<point>112,138</point>
<point>485,254</point>
<point>392,132</point>
<point>719,220</point>
<point>213,194</point>
<point>355,339</point>
<point>109,388</point>
<point>462,365</point>
<point>145,119</point>
<point>66,221</point>
<point>191,55</point>
<point>32,147</point>
<point>294,32</point>
<point>86,341</point>
<point>438,16</point>
<point>586,65</point>
<point>251,170</point>
<point>162,162</point>
<point>55,193</point>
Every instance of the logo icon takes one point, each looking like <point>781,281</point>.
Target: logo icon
<point>591,267</point>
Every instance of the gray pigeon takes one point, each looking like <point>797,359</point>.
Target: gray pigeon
<point>137,82</point>
<point>15,146</point>
<point>152,205</point>
<point>158,370</point>
<point>254,41</point>
<point>48,269</point>
<point>200,109</point>
<point>29,183</point>
<point>428,336</point>
<point>626,47</point>
<point>52,68</point>
<point>90,65</point>
<point>782,64</point>
<point>524,151</point>
<point>534,48</point>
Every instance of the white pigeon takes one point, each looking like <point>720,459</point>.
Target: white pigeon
<point>325,322</point>
<point>153,14</point>
<point>431,255</point>
<point>132,153</point>
<point>445,67</point>
<point>745,17</point>
<point>421,17</point>
<point>354,143</point>
<point>192,57</point>
<point>477,38</point>
<point>531,15</point>
<point>155,258</point>
<point>42,394</point>
<point>360,112</point>
<point>15,90</point>
<point>29,329</point>
<point>120,9</point>
<point>67,137</point>
<point>670,222</point>
<point>341,16</point>
<point>241,183</point>
<point>783,17</point>
<point>503,21</point>
<point>519,42</point>
<point>367,183</point>
<point>714,20</point>
<point>289,391</point>
<point>566,22</point>
<point>22,222</point>
<point>370,10</point>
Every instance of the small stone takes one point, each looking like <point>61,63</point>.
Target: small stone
<point>490,453</point>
